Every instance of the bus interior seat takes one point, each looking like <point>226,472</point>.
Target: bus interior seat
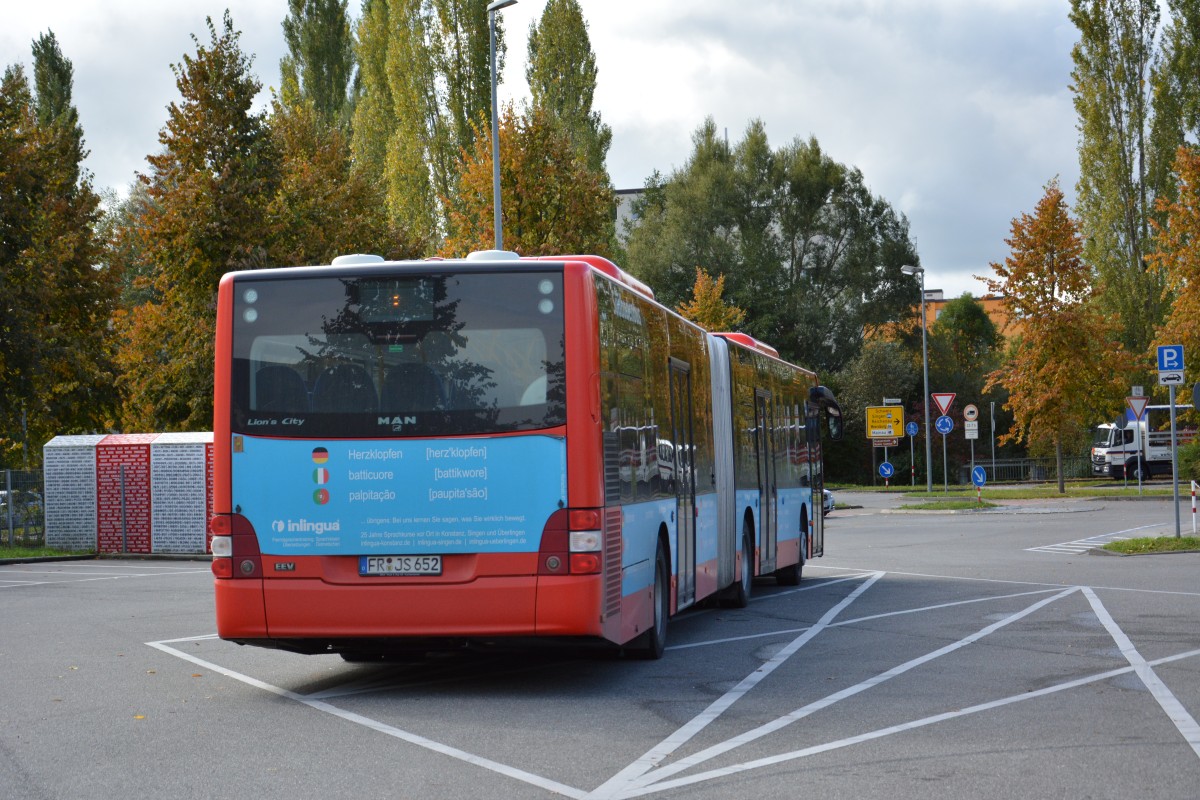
<point>413,387</point>
<point>279,388</point>
<point>344,388</point>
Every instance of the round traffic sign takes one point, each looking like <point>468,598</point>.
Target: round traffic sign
<point>944,425</point>
<point>886,470</point>
<point>911,428</point>
<point>971,413</point>
<point>979,476</point>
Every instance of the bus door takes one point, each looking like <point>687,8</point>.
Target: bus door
<point>816,481</point>
<point>764,426</point>
<point>685,480</point>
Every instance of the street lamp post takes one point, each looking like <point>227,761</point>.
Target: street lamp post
<point>925,364</point>
<point>491,10</point>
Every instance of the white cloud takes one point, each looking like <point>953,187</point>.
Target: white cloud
<point>956,112</point>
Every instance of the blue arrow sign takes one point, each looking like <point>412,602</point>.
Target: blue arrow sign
<point>944,425</point>
<point>911,429</point>
<point>979,476</point>
<point>886,470</point>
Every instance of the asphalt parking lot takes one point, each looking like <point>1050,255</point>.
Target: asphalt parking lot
<point>924,656</point>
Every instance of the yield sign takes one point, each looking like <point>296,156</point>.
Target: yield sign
<point>1137,405</point>
<point>943,401</point>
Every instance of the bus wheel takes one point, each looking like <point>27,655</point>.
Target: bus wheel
<point>651,644</point>
<point>740,597</point>
<point>790,575</point>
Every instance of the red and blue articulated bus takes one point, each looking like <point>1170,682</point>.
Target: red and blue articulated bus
<point>420,455</point>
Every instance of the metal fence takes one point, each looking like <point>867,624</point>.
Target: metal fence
<point>1022,470</point>
<point>22,509</point>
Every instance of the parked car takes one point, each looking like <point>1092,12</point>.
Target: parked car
<point>827,502</point>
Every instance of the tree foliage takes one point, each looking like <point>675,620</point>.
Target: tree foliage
<point>208,194</point>
<point>810,254</point>
<point>56,371</point>
<point>319,66</point>
<point>707,308</point>
<point>1120,145</point>
<point>323,207</point>
<point>562,78</point>
<point>552,203</point>
<point>1065,370</point>
<point>1177,255</point>
<point>426,84</point>
<point>881,369</point>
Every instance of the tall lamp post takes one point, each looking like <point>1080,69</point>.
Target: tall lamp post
<point>925,363</point>
<point>492,8</point>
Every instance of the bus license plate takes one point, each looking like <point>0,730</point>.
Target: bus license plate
<point>399,565</point>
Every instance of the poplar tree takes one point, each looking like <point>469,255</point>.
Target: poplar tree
<point>562,78</point>
<point>319,65</point>
<point>425,84</point>
<point>1113,81</point>
<point>1066,369</point>
<point>56,372</point>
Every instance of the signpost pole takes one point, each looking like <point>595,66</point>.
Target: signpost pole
<point>945,468</point>
<point>1174,457</point>
<point>912,460</point>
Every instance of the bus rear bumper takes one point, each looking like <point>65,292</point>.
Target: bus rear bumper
<point>488,607</point>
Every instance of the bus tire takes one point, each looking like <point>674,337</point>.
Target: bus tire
<point>739,595</point>
<point>653,643</point>
<point>790,575</point>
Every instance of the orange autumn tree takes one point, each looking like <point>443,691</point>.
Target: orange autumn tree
<point>552,202</point>
<point>707,309</point>
<point>1177,255</point>
<point>1065,370</point>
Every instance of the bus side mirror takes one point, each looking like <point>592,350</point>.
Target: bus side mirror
<point>821,396</point>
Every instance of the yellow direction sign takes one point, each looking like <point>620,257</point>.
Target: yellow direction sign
<point>884,422</point>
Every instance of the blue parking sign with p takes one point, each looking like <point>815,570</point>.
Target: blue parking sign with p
<point>1170,357</point>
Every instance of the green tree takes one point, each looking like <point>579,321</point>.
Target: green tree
<point>553,204</point>
<point>964,348</point>
<point>881,369</point>
<point>1113,82</point>
<point>208,192</point>
<point>708,308</point>
<point>56,372</point>
<point>810,254</point>
<point>426,83</point>
<point>324,207</point>
<point>562,78</point>
<point>1065,370</point>
<point>319,65</point>
<point>374,112</point>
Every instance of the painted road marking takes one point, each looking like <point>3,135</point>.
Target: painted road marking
<point>1080,546</point>
<point>654,771</point>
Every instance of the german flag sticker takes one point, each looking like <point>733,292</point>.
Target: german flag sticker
<point>320,455</point>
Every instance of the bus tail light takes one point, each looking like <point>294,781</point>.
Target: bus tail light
<point>572,543</point>
<point>586,541</point>
<point>234,547</point>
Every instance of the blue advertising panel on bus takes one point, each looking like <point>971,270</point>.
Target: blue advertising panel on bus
<point>308,497</point>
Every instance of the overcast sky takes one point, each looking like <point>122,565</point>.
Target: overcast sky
<point>957,112</point>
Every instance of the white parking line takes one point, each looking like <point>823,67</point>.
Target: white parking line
<point>652,772</point>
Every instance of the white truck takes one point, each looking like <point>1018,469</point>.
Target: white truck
<point>1143,445</point>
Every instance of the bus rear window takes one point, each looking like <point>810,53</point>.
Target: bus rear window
<point>398,355</point>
